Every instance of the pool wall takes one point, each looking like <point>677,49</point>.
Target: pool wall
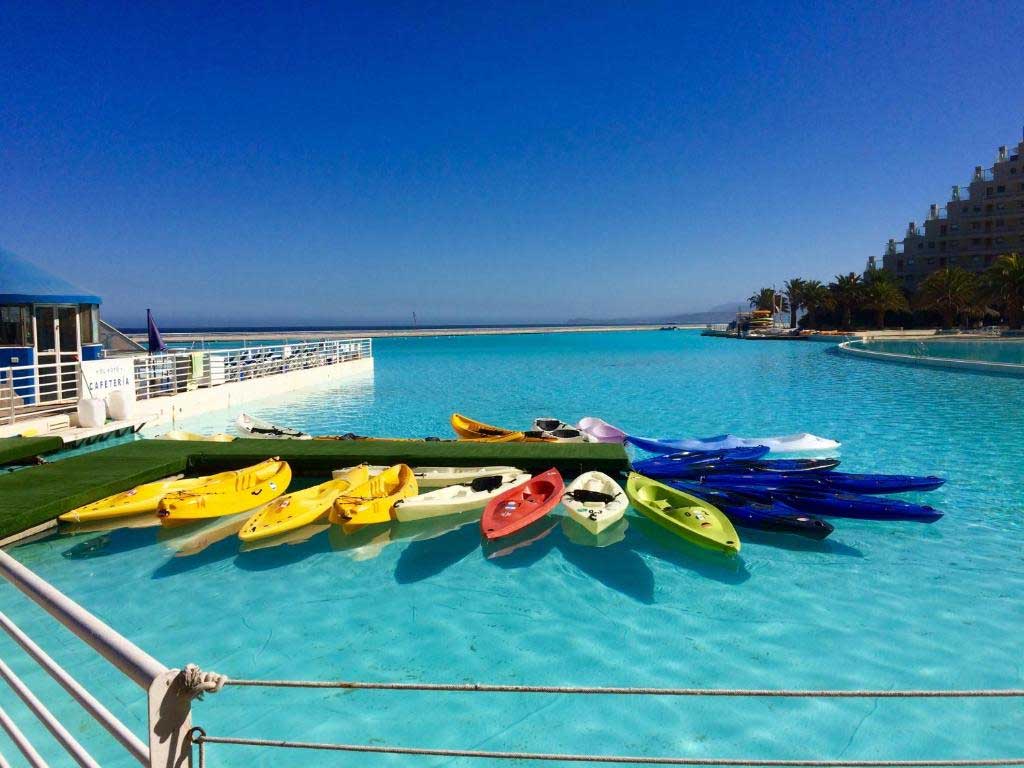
<point>859,349</point>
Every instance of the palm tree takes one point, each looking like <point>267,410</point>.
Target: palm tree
<point>767,299</point>
<point>881,294</point>
<point>1004,284</point>
<point>846,291</point>
<point>794,294</point>
<point>815,297</point>
<point>950,292</point>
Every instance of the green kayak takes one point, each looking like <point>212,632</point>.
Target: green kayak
<point>685,515</point>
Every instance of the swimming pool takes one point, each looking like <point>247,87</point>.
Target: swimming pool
<point>877,605</point>
<point>1005,356</point>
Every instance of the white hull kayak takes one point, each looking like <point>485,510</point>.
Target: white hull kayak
<point>454,499</point>
<point>595,501</point>
<point>439,477</point>
<point>250,426</point>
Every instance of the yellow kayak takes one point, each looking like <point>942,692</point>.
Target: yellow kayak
<point>295,510</point>
<point>471,429</point>
<point>372,501</point>
<point>684,515</point>
<point>228,493</point>
<point>180,434</point>
<point>140,499</point>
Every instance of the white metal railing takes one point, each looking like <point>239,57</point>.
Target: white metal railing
<point>39,389</point>
<point>184,370</point>
<point>169,691</point>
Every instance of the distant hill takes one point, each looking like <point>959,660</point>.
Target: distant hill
<point>721,313</point>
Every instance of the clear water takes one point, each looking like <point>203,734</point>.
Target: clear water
<point>879,605</point>
<point>1002,351</point>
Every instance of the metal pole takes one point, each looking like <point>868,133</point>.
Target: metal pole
<point>138,665</point>
<point>102,715</point>
<point>53,725</point>
<point>21,742</point>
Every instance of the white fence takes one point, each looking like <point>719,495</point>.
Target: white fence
<point>38,390</point>
<point>34,391</point>
<point>184,370</point>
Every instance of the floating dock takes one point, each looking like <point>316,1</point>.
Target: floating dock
<point>34,496</point>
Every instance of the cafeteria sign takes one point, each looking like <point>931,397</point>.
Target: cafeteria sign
<point>102,377</point>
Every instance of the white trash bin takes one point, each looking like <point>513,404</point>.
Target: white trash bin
<point>120,405</point>
<point>92,412</point>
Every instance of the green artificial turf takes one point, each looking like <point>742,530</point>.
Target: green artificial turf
<point>36,494</point>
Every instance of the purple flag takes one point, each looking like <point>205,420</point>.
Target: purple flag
<point>156,344</point>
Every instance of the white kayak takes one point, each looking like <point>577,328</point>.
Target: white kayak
<point>595,501</point>
<point>453,499</point>
<point>439,477</point>
<point>250,426</point>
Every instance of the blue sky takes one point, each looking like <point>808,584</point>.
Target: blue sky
<point>484,162</point>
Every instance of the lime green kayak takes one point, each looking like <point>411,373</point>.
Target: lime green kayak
<point>685,515</point>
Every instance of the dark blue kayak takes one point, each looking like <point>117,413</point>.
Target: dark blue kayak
<point>687,469</point>
<point>677,464</point>
<point>764,516</point>
<point>824,481</point>
<point>843,504</point>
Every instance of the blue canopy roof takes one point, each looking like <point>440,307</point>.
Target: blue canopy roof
<point>22,282</point>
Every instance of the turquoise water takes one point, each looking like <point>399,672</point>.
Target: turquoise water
<point>878,605</point>
<point>984,351</point>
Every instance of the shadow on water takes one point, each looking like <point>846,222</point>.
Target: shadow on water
<point>793,543</point>
<point>646,537</point>
<point>112,543</point>
<point>218,551</point>
<point>428,557</point>
<point>617,567</point>
<point>268,558</point>
<point>525,547</point>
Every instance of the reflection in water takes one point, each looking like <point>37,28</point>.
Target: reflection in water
<point>296,536</point>
<point>188,540</point>
<point>577,534</point>
<point>656,541</point>
<point>619,568</point>
<point>428,557</point>
<point>799,543</point>
<point>145,520</point>
<point>112,543</point>
<point>523,547</point>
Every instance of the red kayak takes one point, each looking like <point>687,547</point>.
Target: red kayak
<point>517,507</point>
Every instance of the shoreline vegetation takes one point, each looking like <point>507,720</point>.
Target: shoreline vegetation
<point>947,298</point>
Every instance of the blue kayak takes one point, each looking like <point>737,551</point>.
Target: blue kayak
<point>668,466</point>
<point>797,443</point>
<point>761,515</point>
<point>675,464</point>
<point>824,481</point>
<point>844,504</point>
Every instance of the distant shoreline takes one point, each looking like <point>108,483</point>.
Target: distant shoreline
<point>377,333</point>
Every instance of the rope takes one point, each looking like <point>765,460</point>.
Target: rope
<point>571,758</point>
<point>738,692</point>
<point>198,682</point>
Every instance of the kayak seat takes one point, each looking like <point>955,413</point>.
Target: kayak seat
<point>488,483</point>
<point>583,496</point>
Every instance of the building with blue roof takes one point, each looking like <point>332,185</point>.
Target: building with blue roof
<point>46,323</point>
